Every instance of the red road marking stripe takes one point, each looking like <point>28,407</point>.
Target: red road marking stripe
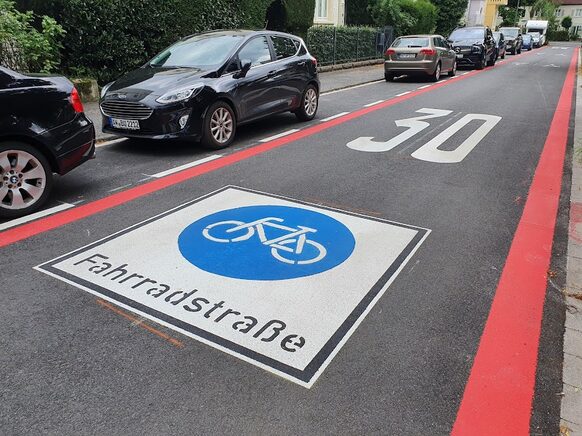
<point>499,393</point>
<point>25,231</point>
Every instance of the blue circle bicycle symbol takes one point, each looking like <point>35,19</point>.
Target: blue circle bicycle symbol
<point>266,243</point>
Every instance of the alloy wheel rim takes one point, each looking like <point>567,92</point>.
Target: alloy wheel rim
<point>310,103</point>
<point>438,72</point>
<point>221,125</point>
<point>22,179</point>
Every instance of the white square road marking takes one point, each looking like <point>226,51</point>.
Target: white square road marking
<point>279,283</point>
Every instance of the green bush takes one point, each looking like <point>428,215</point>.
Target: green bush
<point>422,15</point>
<point>299,16</point>
<point>351,44</point>
<point>558,35</point>
<point>357,12</point>
<point>22,47</point>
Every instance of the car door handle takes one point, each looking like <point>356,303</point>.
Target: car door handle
<point>301,63</point>
<point>272,73</point>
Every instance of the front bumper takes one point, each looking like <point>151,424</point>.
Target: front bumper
<point>469,59</point>
<point>163,123</point>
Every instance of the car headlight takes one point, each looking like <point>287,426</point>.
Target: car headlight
<point>181,94</point>
<point>105,89</point>
<point>476,49</point>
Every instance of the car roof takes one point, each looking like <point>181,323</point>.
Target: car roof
<point>243,32</point>
<point>420,36</point>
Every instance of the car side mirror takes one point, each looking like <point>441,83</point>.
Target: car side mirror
<point>245,66</point>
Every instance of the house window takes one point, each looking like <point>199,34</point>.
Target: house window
<point>558,12</point>
<point>578,13</point>
<point>321,9</point>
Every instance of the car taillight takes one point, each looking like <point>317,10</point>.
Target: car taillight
<point>428,51</point>
<point>76,102</point>
<point>390,51</point>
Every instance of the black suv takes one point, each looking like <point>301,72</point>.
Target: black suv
<point>474,46</point>
<point>206,85</point>
<point>43,130</point>
<point>513,39</point>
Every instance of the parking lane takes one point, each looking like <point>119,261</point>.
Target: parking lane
<point>405,366</point>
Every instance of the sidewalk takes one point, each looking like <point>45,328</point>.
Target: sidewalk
<point>330,81</point>
<point>571,414</point>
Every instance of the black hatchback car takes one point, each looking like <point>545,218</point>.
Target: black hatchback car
<point>43,130</point>
<point>205,85</point>
<point>474,46</point>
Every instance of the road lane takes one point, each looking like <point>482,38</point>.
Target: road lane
<point>405,367</point>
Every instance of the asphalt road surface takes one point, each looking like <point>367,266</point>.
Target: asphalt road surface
<point>366,318</point>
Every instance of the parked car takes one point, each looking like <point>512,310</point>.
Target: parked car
<point>428,55</point>
<point>528,41</point>
<point>536,39</point>
<point>43,130</point>
<point>206,85</point>
<point>513,39</point>
<point>499,45</point>
<point>474,46</point>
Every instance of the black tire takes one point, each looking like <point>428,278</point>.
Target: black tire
<point>481,63</point>
<point>454,69</point>
<point>492,60</point>
<point>20,181</point>
<point>519,51</point>
<point>503,55</point>
<point>434,77</point>
<point>304,113</point>
<point>389,77</point>
<point>214,112</point>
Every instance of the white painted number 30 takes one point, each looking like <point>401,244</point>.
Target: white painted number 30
<point>430,151</point>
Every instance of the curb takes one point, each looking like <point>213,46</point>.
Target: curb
<point>347,65</point>
<point>570,417</point>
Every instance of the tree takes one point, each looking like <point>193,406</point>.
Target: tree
<point>566,23</point>
<point>449,13</point>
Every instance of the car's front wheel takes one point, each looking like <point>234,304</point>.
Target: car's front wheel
<point>26,179</point>
<point>481,63</point>
<point>309,104</point>
<point>453,69</point>
<point>219,126</point>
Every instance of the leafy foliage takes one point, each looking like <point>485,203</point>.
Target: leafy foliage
<point>342,44</point>
<point>566,22</point>
<point>357,12</point>
<point>23,47</point>
<point>299,16</point>
<point>449,13</point>
<point>406,16</point>
<point>510,15</point>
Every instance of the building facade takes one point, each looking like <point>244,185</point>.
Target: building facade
<point>330,12</point>
<point>483,12</point>
<point>573,9</point>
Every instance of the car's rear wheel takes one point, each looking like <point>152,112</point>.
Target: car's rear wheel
<point>481,63</point>
<point>219,126</point>
<point>389,77</point>
<point>519,51</point>
<point>26,179</point>
<point>453,69</point>
<point>437,73</point>
<point>503,55</point>
<point>492,60</point>
<point>309,104</point>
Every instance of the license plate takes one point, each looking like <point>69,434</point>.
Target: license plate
<point>407,56</point>
<point>459,56</point>
<point>124,124</point>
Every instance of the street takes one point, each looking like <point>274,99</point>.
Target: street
<point>407,196</point>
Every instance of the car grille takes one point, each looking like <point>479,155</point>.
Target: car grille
<point>126,110</point>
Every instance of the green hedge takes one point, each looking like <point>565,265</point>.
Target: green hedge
<point>558,35</point>
<point>351,44</point>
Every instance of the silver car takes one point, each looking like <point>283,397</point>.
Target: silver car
<point>429,55</point>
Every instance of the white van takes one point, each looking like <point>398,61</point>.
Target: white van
<point>539,26</point>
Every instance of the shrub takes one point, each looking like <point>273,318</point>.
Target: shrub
<point>422,15</point>
<point>558,35</point>
<point>351,43</point>
<point>23,47</point>
<point>299,16</point>
<point>357,12</point>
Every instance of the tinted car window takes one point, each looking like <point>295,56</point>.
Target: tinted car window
<point>5,79</point>
<point>512,33</point>
<point>411,42</point>
<point>257,51</point>
<point>467,33</point>
<point>284,47</point>
<point>197,52</point>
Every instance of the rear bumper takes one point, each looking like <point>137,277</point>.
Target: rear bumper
<point>410,67</point>
<point>73,143</point>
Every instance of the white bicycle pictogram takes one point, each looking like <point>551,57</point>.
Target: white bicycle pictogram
<point>293,242</point>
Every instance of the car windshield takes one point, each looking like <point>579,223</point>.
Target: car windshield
<point>509,32</point>
<point>534,34</point>
<point>526,38</point>
<point>200,51</point>
<point>411,42</point>
<point>467,33</point>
